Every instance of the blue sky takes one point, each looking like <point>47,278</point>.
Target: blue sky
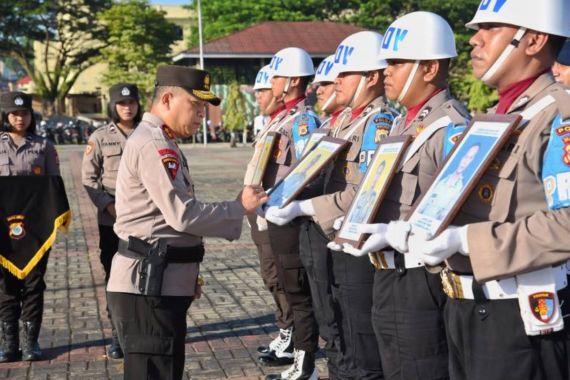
<point>166,2</point>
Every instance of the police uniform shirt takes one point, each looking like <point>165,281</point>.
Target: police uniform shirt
<point>294,127</point>
<point>417,173</point>
<point>364,133</point>
<point>100,167</point>
<point>35,156</point>
<point>155,199</point>
<point>518,212</point>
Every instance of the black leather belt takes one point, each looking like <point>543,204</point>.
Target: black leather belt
<point>137,249</point>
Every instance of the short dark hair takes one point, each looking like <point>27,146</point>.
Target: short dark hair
<point>114,116</point>
<point>304,82</point>
<point>6,127</point>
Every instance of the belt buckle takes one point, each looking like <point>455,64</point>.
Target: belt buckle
<point>378,260</point>
<point>451,284</point>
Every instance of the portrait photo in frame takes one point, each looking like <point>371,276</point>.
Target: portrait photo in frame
<point>314,139</point>
<point>373,188</point>
<point>261,164</point>
<point>307,169</point>
<point>463,168</point>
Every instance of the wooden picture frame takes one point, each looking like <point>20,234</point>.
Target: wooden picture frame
<point>470,158</point>
<point>261,164</point>
<point>314,138</point>
<point>373,188</point>
<point>304,171</point>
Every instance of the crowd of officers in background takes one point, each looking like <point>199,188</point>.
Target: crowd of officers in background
<point>495,311</point>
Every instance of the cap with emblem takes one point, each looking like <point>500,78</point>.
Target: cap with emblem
<point>564,56</point>
<point>195,81</point>
<point>15,101</point>
<point>123,91</point>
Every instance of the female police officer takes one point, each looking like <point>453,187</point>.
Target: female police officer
<point>22,153</point>
<point>99,174</point>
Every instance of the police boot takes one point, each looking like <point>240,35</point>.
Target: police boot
<point>303,368</point>
<point>9,341</point>
<point>115,351</point>
<point>30,346</point>
<point>283,352</point>
<point>282,340</point>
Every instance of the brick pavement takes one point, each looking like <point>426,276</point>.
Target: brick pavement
<point>225,327</point>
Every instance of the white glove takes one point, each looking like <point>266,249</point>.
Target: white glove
<point>375,242</point>
<point>439,249</point>
<point>397,235</point>
<point>334,246</point>
<point>282,216</point>
<point>338,223</point>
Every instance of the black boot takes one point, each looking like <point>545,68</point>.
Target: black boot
<point>30,346</point>
<point>302,369</point>
<point>9,341</point>
<point>115,351</point>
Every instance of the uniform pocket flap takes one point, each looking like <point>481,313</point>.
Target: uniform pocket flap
<point>144,344</point>
<point>112,150</point>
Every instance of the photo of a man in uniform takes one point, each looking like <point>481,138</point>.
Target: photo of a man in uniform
<point>292,182</point>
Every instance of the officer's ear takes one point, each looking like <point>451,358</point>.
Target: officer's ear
<point>429,69</point>
<point>373,78</point>
<point>535,42</point>
<point>295,82</point>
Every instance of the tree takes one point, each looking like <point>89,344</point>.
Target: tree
<point>234,117</point>
<point>139,40</point>
<point>69,38</point>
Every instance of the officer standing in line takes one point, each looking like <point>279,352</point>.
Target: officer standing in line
<point>317,263</point>
<point>561,67</point>
<point>160,224</point>
<point>99,175</point>
<point>505,311</point>
<point>365,121</point>
<point>407,312</point>
<point>279,349</point>
<point>292,68</point>
<point>22,153</point>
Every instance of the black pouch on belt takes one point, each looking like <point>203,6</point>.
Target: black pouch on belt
<point>152,265</point>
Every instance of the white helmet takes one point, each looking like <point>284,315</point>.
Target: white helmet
<point>263,78</point>
<point>419,36</point>
<point>547,16</point>
<point>327,70</point>
<point>292,62</point>
<point>359,52</point>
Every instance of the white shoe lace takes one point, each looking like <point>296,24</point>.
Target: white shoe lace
<point>282,341</point>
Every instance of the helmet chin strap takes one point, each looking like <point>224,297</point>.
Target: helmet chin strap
<point>359,89</point>
<point>504,55</point>
<point>409,81</point>
<point>329,101</point>
<point>285,89</point>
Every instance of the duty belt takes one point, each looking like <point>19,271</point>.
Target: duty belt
<point>193,254</point>
<point>383,260</point>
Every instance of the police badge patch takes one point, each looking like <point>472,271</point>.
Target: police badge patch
<point>16,226</point>
<point>125,91</point>
<point>19,101</point>
<point>542,306</point>
<point>37,170</point>
<point>171,165</point>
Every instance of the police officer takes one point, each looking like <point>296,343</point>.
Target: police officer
<point>561,67</point>
<point>326,97</point>
<point>22,153</point>
<point>407,313</point>
<point>279,349</point>
<point>504,315</point>
<point>160,224</point>
<point>292,68</point>
<point>365,121</point>
<point>99,174</point>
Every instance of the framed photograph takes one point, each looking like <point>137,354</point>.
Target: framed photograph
<point>287,189</point>
<point>263,159</point>
<point>314,139</point>
<point>373,188</point>
<point>461,171</point>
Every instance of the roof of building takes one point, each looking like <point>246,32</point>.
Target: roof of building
<point>318,38</point>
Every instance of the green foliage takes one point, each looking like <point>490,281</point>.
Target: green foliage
<point>139,40</point>
<point>70,36</point>
<point>234,117</point>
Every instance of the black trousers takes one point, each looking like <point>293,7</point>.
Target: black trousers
<point>283,313</point>
<point>316,259</point>
<point>23,299</point>
<point>108,246</point>
<point>152,331</point>
<point>408,321</point>
<point>292,276</point>
<point>487,341</point>
<point>353,279</point>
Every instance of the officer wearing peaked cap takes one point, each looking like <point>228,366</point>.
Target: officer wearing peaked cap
<point>99,174</point>
<point>160,224</point>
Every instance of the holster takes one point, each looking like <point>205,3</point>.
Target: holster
<point>152,265</point>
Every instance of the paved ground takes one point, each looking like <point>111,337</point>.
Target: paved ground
<point>225,327</point>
